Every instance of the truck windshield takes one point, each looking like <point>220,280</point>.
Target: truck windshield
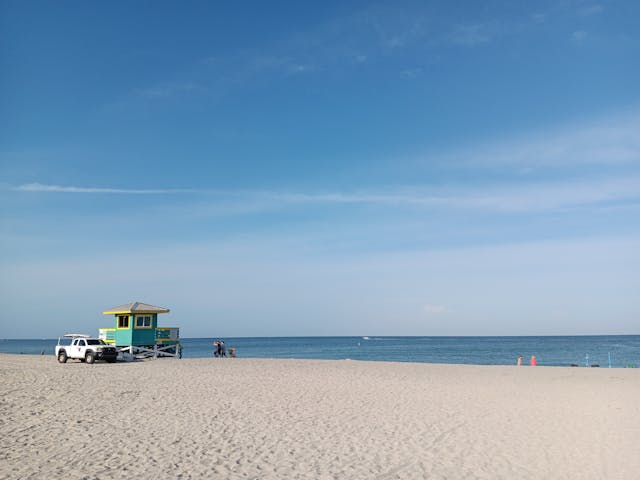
<point>93,341</point>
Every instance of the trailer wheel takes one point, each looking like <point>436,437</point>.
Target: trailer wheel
<point>62,356</point>
<point>90,357</point>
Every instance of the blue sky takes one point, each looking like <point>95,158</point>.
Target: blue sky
<point>323,168</point>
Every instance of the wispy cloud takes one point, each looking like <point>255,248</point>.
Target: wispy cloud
<point>376,32</point>
<point>411,73</point>
<point>384,28</point>
<point>579,36</point>
<point>613,140</point>
<point>171,90</point>
<point>528,197</point>
<point>470,35</point>
<point>355,38</point>
<point>539,17</point>
<point>590,10</point>
<point>569,193</point>
<point>39,187</point>
<point>286,65</point>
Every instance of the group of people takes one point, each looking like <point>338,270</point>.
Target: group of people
<point>533,362</point>
<point>219,349</point>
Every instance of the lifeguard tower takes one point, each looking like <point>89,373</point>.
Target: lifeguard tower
<point>136,331</point>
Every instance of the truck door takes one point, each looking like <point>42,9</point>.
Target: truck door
<point>76,348</point>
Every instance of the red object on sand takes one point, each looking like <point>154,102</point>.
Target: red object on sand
<point>534,362</point>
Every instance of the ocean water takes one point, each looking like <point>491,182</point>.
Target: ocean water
<point>624,350</point>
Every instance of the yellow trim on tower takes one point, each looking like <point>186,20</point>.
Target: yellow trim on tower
<point>118,312</point>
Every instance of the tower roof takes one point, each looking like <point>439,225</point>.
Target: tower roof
<point>135,307</point>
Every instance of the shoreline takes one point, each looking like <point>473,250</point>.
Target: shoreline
<point>302,359</point>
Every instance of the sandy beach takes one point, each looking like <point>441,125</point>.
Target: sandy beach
<point>254,419</point>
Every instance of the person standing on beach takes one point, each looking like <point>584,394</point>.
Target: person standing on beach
<point>223,349</point>
<point>216,348</point>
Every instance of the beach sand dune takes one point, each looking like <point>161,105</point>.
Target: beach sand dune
<point>312,419</point>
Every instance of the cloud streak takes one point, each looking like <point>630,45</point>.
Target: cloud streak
<point>510,198</point>
<point>612,143</point>
<point>43,188</point>
<point>172,90</point>
<point>498,198</point>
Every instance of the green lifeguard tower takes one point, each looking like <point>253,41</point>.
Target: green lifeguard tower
<point>136,330</point>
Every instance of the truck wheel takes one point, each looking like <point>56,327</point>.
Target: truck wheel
<point>90,357</point>
<point>62,356</point>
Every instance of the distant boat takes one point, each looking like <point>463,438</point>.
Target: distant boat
<point>365,338</point>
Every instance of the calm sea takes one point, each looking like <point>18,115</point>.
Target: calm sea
<point>623,350</point>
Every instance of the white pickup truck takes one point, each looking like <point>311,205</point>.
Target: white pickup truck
<point>84,348</point>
